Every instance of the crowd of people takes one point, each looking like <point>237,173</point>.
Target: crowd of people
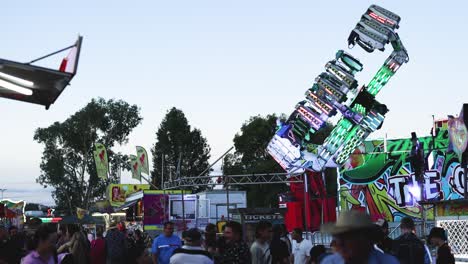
<point>356,239</point>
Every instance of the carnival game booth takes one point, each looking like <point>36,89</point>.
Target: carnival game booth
<point>249,218</point>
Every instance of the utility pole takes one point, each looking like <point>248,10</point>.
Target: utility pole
<point>2,190</point>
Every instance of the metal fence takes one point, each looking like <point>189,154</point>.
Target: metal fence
<point>319,238</point>
<point>457,236</point>
<point>395,230</point>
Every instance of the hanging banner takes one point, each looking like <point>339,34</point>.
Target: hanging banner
<point>142,156</point>
<point>100,158</point>
<point>135,166</point>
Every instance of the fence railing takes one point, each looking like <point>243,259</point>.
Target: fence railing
<point>457,236</point>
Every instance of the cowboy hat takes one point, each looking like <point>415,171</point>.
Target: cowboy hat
<point>348,221</point>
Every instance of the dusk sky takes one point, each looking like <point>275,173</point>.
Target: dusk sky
<point>221,62</point>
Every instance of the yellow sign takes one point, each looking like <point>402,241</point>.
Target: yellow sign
<point>117,193</point>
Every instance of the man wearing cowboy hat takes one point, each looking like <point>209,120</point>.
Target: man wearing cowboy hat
<point>354,233</point>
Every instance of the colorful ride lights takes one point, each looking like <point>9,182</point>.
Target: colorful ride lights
<point>336,90</point>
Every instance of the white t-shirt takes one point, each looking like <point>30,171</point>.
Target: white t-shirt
<point>260,253</point>
<point>190,255</point>
<point>301,251</point>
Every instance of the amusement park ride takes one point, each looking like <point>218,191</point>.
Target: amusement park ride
<point>336,91</point>
<point>38,85</point>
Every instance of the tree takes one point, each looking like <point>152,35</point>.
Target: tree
<point>251,157</point>
<point>179,151</point>
<point>67,160</point>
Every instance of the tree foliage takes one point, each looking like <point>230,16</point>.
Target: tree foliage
<point>251,157</point>
<point>179,151</point>
<point>67,160</point>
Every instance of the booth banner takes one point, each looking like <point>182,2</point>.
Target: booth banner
<point>101,160</point>
<point>135,166</point>
<point>457,209</point>
<point>142,156</point>
<point>117,193</point>
<point>384,184</point>
<point>155,211</point>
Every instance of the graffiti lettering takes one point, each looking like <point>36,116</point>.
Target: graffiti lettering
<point>397,186</point>
<point>456,180</point>
<point>405,190</point>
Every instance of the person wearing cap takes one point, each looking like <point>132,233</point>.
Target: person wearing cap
<point>354,233</point>
<point>438,238</point>
<point>192,250</point>
<point>408,248</point>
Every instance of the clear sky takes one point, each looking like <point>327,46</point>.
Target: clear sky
<point>220,62</point>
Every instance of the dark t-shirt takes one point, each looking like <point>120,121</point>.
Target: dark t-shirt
<point>279,251</point>
<point>237,252</point>
<point>408,249</point>
<point>444,255</point>
<point>98,251</point>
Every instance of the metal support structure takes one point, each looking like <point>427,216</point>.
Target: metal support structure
<point>51,54</point>
<point>306,196</point>
<point>227,197</point>
<point>243,179</point>
<point>465,172</point>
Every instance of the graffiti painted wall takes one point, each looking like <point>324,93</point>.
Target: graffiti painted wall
<point>383,183</point>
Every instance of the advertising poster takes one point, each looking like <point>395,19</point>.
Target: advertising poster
<point>117,193</point>
<point>383,182</point>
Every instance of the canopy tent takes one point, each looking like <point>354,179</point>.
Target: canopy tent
<point>34,84</point>
<point>87,219</point>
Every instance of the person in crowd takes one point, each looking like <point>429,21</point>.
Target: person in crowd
<point>77,245</point>
<point>165,244</point>
<point>192,251</point>
<point>210,238</point>
<point>260,249</point>
<point>4,245</point>
<point>354,235</point>
<point>140,243</point>
<point>136,247</point>
<point>438,238</point>
<point>116,245</point>
<point>44,241</point>
<point>62,235</point>
<point>11,245</point>
<point>98,248</point>
<point>317,253</point>
<point>408,248</point>
<point>384,242</point>
<point>285,238</point>
<point>301,247</point>
<point>231,248</point>
<point>278,248</point>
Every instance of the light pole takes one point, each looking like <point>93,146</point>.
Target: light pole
<point>2,190</point>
